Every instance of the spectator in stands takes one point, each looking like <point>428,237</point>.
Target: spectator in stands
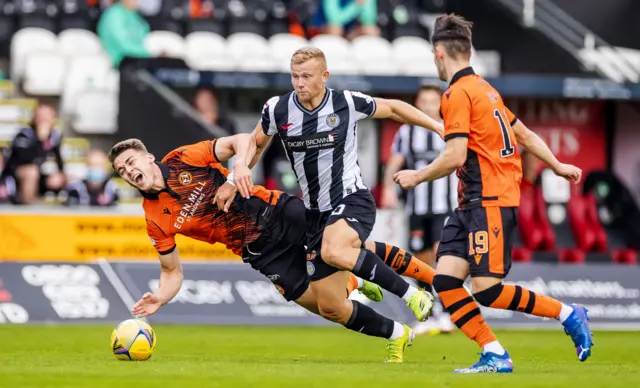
<point>207,104</point>
<point>122,31</point>
<point>353,17</point>
<point>97,189</point>
<point>24,177</point>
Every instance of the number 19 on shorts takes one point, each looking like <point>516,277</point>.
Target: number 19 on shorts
<point>478,242</point>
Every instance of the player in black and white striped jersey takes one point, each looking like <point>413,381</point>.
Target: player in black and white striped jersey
<point>427,205</point>
<point>318,128</point>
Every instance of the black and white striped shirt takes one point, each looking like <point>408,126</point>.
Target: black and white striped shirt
<point>321,144</point>
<point>419,146</point>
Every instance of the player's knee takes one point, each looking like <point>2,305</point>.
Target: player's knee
<point>488,296</point>
<point>442,283</point>
<point>332,310</point>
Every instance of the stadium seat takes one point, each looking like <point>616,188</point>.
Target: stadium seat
<point>75,41</point>
<point>96,113</point>
<point>165,43</point>
<point>338,53</point>
<point>282,47</point>
<point>414,56</point>
<point>206,51</point>
<point>84,73</point>
<point>75,14</point>
<point>26,41</point>
<point>373,55</point>
<point>44,73</point>
<point>249,52</point>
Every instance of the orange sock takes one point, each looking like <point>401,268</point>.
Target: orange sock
<point>465,312</point>
<point>516,298</point>
<point>404,263</point>
<point>352,284</point>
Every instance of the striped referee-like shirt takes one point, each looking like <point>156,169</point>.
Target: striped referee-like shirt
<point>419,147</point>
<point>321,144</point>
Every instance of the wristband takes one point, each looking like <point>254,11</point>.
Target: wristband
<point>230,179</point>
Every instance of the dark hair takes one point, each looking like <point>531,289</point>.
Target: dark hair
<point>427,88</point>
<point>454,32</point>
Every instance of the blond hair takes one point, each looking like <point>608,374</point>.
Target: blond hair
<point>129,144</point>
<point>305,54</point>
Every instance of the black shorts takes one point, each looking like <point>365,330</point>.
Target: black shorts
<point>279,253</point>
<point>484,237</point>
<point>425,230</point>
<point>357,209</point>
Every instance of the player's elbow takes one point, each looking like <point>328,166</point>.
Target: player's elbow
<point>457,160</point>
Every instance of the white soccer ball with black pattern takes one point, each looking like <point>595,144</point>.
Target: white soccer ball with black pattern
<point>133,340</point>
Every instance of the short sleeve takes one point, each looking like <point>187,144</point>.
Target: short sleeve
<point>364,106</point>
<point>163,242</point>
<point>456,113</point>
<point>510,116</point>
<point>200,154</point>
<point>400,140</point>
<point>267,119</point>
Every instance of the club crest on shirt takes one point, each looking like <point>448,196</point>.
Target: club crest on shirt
<point>333,120</point>
<point>185,178</point>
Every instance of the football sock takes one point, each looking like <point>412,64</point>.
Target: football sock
<point>366,321</point>
<point>493,347</point>
<point>464,311</point>
<point>352,284</point>
<point>565,312</point>
<point>372,268</point>
<point>516,298</point>
<point>404,263</point>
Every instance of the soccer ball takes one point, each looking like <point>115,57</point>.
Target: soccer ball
<point>133,340</point>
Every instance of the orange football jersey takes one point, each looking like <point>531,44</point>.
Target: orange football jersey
<point>492,172</point>
<point>192,176</point>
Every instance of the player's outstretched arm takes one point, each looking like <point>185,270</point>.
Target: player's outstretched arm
<point>170,282</point>
<point>452,158</point>
<point>532,142</point>
<point>405,113</point>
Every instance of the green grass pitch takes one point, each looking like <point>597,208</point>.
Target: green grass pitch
<point>279,357</point>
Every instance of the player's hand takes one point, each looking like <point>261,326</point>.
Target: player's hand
<point>148,305</point>
<point>225,196</point>
<point>389,198</point>
<point>569,172</point>
<point>406,178</point>
<point>243,180</point>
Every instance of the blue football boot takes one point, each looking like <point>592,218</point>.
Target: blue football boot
<point>490,363</point>
<point>577,327</point>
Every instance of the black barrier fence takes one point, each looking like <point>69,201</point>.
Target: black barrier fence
<point>234,294</point>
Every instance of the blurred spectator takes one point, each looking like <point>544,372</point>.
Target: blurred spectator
<point>24,177</point>
<point>97,189</point>
<point>353,17</point>
<point>122,31</point>
<point>207,104</point>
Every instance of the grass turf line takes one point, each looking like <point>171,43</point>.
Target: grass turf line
<point>280,357</point>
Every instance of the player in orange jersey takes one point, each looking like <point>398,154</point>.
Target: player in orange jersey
<point>481,135</point>
<point>268,229</point>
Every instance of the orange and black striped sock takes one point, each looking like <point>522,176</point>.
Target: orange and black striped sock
<point>352,284</point>
<point>404,263</point>
<point>516,298</point>
<point>465,312</point>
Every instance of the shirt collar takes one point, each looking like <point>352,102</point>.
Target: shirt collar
<point>462,73</point>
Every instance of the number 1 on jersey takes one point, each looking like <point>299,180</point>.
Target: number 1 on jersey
<point>508,149</point>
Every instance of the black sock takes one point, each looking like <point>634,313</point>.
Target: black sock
<point>426,286</point>
<point>366,321</point>
<point>371,267</point>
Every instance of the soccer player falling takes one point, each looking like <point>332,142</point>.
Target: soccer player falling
<point>268,228</point>
<point>481,134</point>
